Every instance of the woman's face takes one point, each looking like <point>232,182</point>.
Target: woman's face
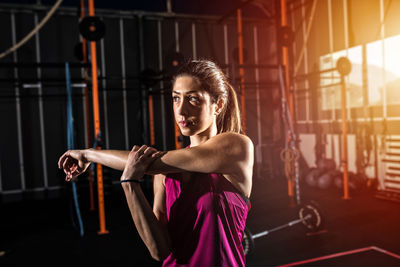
<point>194,112</point>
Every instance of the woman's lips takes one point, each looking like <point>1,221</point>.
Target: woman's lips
<point>184,123</point>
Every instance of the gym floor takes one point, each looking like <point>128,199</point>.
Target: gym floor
<point>365,229</point>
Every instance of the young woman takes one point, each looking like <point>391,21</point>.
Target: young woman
<point>200,192</point>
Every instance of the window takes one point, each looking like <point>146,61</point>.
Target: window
<point>331,94</point>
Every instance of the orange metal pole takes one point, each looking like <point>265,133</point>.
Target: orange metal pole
<point>289,96</point>
<point>96,115</point>
<point>178,144</point>
<point>151,115</point>
<point>241,69</point>
<point>86,97</point>
<point>344,141</point>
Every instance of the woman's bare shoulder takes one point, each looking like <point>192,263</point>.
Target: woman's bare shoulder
<point>231,138</point>
<point>232,144</point>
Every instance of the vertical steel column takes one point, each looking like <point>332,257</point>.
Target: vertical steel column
<point>162,92</point>
<point>289,95</point>
<point>176,36</point>
<point>345,111</point>
<point>96,114</point>
<point>143,91</point>
<point>382,37</point>
<point>123,73</point>
<point>330,23</point>
<point>344,141</point>
<point>18,106</point>
<point>241,69</point>
<point>178,144</point>
<point>333,91</point>
<point>259,126</point>
<point>85,103</point>
<point>151,106</point>
<point>169,6</point>
<point>226,49</point>
<point>104,85</point>
<point>294,56</point>
<point>41,119</point>
<point>194,41</point>
<point>307,94</point>
<point>85,93</point>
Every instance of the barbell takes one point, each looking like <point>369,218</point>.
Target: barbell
<point>309,214</point>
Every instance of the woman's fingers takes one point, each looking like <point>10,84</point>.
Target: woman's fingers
<point>158,154</point>
<point>149,151</point>
<point>62,159</point>
<point>141,150</point>
<point>67,164</point>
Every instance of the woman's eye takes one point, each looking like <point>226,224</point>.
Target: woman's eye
<point>194,99</point>
<point>175,98</point>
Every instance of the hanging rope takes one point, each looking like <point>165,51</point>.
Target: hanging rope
<point>290,154</point>
<point>71,143</point>
<point>33,32</point>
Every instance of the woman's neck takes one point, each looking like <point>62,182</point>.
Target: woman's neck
<point>200,138</point>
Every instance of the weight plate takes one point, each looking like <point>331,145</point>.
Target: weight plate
<point>173,62</point>
<point>247,242</point>
<point>285,36</point>
<point>92,28</point>
<point>343,65</point>
<point>311,215</point>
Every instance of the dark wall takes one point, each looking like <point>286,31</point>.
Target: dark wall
<point>131,44</point>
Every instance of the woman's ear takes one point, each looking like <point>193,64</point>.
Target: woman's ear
<point>219,106</point>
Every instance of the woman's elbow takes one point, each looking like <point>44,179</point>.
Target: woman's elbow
<point>160,255</point>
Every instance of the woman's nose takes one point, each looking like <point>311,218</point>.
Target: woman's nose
<point>182,107</point>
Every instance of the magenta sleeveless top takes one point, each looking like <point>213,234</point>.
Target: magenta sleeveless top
<point>206,221</point>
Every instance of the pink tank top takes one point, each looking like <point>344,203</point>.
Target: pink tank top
<point>206,221</point>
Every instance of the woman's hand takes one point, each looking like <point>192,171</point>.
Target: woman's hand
<point>138,161</point>
<point>74,163</point>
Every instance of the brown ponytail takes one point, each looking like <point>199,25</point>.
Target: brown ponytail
<point>214,81</point>
<point>229,119</point>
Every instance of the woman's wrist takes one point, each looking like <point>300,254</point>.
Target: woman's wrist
<point>130,185</point>
<point>87,154</point>
<point>138,181</point>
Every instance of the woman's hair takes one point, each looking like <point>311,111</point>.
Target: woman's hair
<point>214,81</point>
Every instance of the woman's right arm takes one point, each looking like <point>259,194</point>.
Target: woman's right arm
<point>75,162</point>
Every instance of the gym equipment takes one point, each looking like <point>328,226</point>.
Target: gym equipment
<point>96,122</point>
<point>92,28</point>
<point>357,181</point>
<point>325,180</point>
<point>285,36</point>
<point>173,61</point>
<point>343,66</point>
<point>291,141</point>
<point>312,176</point>
<point>309,215</point>
<point>323,175</point>
<point>71,144</point>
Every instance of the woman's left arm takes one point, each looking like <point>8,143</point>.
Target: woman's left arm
<point>226,153</point>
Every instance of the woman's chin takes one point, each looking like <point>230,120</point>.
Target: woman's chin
<point>187,132</point>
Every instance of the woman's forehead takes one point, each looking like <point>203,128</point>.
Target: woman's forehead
<point>186,85</point>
